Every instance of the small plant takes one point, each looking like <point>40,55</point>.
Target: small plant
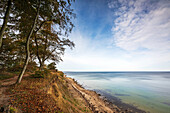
<point>61,74</point>
<point>12,110</point>
<point>38,74</point>
<point>64,97</point>
<point>41,73</point>
<point>31,67</point>
<point>51,65</point>
<point>46,72</point>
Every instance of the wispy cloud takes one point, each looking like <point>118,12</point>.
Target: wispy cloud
<point>142,24</point>
<point>140,31</point>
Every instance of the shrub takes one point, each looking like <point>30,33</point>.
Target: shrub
<point>61,74</point>
<point>41,73</point>
<point>15,68</point>
<point>38,74</point>
<point>46,72</point>
<point>12,110</point>
<point>51,65</point>
<point>31,66</point>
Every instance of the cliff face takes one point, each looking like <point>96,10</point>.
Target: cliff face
<point>66,97</point>
<point>72,98</point>
<point>50,94</point>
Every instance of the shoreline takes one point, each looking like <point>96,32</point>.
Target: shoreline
<point>100,101</point>
<point>62,92</point>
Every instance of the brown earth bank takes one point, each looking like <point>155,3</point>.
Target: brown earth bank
<point>55,93</point>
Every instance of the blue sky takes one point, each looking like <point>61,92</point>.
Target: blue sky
<point>120,35</point>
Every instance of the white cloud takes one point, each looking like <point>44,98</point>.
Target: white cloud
<point>92,55</point>
<point>141,24</point>
<point>142,28</point>
<point>141,40</point>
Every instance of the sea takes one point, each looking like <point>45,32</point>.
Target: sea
<point>148,91</point>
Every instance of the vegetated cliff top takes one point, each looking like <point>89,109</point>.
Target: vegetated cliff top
<point>49,94</point>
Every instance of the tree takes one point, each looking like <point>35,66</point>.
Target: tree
<point>50,46</point>
<point>36,30</point>
<point>54,23</point>
<point>27,46</point>
<point>58,14</point>
<point>5,20</point>
<point>7,58</point>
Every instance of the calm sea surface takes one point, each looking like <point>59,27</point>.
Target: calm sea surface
<point>149,91</point>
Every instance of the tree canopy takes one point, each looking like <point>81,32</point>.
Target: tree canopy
<point>34,31</point>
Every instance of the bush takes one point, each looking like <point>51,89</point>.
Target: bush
<point>46,72</point>
<point>61,73</point>
<point>31,66</point>
<point>41,74</point>
<point>15,68</point>
<point>51,65</point>
<point>38,74</point>
<point>12,110</point>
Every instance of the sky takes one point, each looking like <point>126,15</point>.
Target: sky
<point>119,35</point>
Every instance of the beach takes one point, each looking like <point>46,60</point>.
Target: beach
<point>98,103</point>
<point>146,91</point>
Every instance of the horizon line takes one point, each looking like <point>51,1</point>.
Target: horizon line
<point>119,71</point>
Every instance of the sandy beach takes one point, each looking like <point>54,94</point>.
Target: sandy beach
<point>98,103</point>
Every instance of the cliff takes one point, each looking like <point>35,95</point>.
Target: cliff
<point>55,93</point>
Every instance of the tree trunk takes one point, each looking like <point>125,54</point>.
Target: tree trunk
<point>37,52</point>
<point>45,47</point>
<point>27,48</point>
<point>36,43</point>
<point>42,65</point>
<point>5,21</point>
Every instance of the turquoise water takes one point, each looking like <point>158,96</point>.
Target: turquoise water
<point>149,91</point>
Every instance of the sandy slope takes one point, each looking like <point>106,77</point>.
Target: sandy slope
<point>95,102</point>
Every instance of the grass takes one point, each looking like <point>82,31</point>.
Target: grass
<point>4,76</point>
